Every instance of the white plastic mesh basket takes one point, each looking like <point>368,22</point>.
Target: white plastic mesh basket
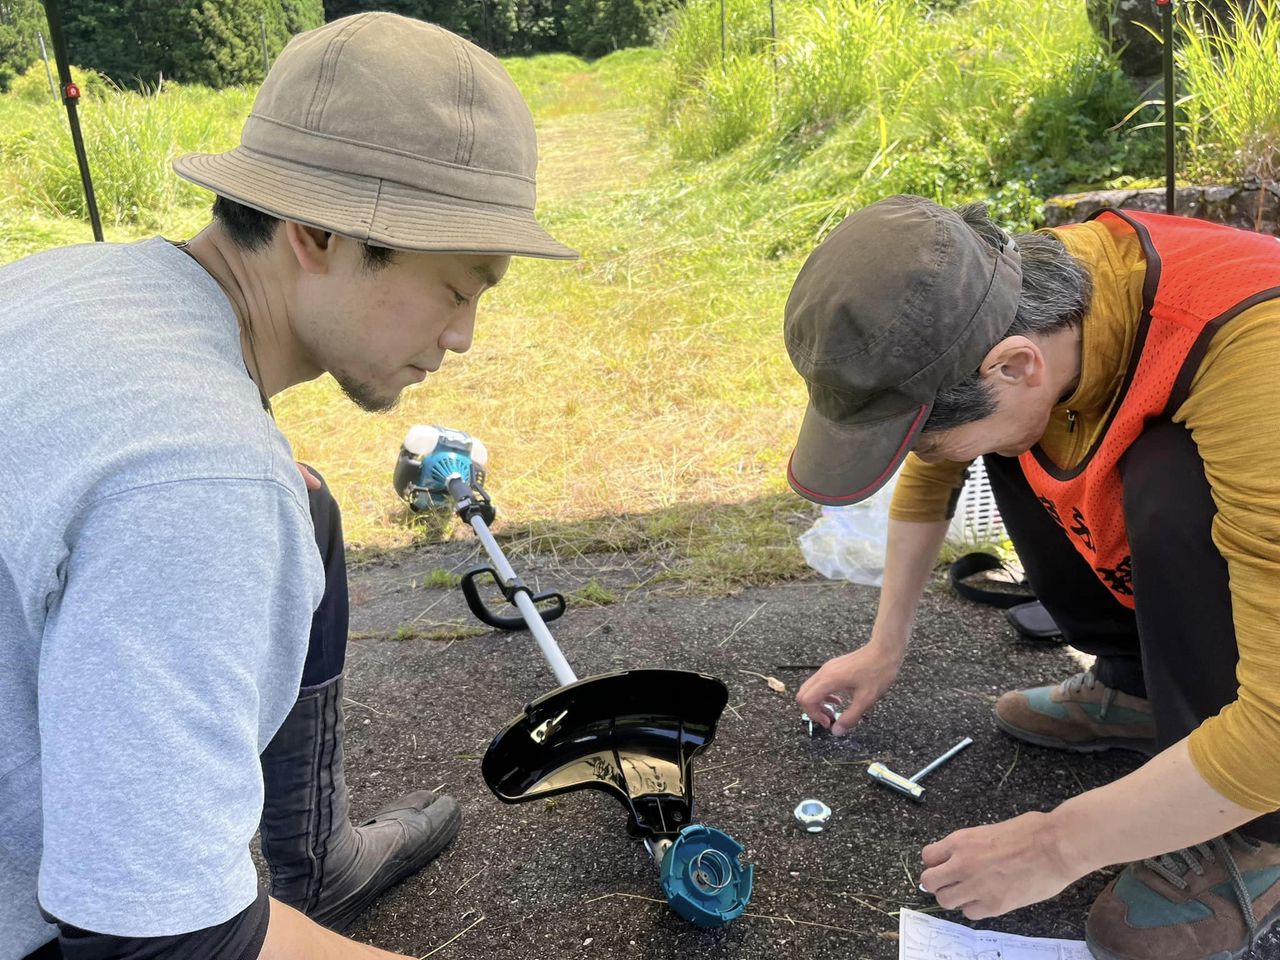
<point>977,518</point>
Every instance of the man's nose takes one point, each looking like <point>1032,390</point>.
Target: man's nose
<point>458,334</point>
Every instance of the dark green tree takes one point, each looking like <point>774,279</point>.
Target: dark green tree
<point>19,22</point>
<point>214,42</point>
<point>592,28</point>
<point>521,27</point>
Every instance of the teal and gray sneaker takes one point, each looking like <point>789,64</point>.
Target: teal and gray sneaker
<point>1078,714</point>
<point>1209,902</point>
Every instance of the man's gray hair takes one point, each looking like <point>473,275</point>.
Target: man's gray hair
<point>1056,290</point>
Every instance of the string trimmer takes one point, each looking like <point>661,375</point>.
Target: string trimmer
<point>632,734</point>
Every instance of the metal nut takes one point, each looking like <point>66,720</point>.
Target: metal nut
<point>813,814</point>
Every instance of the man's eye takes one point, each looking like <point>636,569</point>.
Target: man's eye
<point>459,300</point>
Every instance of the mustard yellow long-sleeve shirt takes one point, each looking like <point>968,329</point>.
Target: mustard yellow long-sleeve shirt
<point>1233,412</point>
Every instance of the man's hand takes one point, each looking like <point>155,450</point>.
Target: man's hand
<point>852,684</point>
<point>987,871</point>
<point>310,479</point>
<point>291,935</point>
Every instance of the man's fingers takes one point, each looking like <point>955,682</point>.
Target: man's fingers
<point>980,910</point>
<point>849,718</point>
<point>817,715</point>
<point>937,852</point>
<point>810,691</point>
<point>311,481</point>
<point>960,896</point>
<point>814,700</point>
<point>953,897</point>
<point>951,891</point>
<point>937,879</point>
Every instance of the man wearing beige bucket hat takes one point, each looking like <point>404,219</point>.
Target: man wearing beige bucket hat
<point>171,640</point>
<point>1119,379</point>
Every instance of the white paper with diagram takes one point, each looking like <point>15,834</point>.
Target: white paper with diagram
<point>924,937</point>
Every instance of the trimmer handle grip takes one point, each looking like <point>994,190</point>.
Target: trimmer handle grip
<point>550,604</point>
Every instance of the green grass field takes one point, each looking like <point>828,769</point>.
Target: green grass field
<point>641,399</point>
<point>637,399</point>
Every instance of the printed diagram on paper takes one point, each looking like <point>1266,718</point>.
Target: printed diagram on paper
<point>923,937</point>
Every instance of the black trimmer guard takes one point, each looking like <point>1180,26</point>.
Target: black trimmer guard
<point>633,734</point>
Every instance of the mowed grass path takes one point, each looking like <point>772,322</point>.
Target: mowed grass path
<point>639,399</point>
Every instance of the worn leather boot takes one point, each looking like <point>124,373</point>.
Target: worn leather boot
<point>1078,714</point>
<point>319,862</point>
<point>1210,902</point>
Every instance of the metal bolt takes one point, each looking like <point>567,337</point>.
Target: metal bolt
<point>812,725</point>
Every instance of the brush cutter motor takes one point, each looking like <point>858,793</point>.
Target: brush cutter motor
<point>428,457</point>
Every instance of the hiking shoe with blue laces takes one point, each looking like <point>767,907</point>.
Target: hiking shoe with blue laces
<point>1209,902</point>
<point>1078,714</point>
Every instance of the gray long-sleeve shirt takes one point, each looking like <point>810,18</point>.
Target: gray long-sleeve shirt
<point>158,571</point>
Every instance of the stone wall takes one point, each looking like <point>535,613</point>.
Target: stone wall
<point>1252,206</point>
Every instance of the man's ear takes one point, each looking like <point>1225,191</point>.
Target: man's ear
<point>1014,361</point>
<point>311,246</point>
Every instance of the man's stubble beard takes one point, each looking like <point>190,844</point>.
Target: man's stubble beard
<point>365,396</point>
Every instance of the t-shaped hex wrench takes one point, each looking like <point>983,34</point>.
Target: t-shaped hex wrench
<point>911,786</point>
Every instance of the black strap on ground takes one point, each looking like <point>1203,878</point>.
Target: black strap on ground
<point>1021,609</point>
<point>974,563</point>
<point>70,97</point>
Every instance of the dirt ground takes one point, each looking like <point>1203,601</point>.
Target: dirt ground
<point>560,878</point>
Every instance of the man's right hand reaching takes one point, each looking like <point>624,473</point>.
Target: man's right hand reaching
<point>851,685</point>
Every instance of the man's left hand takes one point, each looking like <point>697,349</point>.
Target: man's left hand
<point>987,871</point>
<point>310,479</point>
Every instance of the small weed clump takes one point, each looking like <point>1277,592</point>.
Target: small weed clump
<point>593,594</point>
<point>438,578</point>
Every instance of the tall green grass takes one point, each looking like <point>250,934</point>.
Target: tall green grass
<point>858,99</point>
<point>1231,76</point>
<point>130,139</point>
<point>557,84</point>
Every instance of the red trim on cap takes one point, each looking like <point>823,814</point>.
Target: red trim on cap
<point>897,456</point>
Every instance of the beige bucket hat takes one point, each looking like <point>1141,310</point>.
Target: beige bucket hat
<point>392,131</point>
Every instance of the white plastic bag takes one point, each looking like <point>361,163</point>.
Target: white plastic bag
<point>848,543</point>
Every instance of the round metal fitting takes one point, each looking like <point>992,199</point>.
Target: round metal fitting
<point>813,814</point>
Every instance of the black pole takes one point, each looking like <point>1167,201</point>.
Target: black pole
<point>722,31</point>
<point>44,55</point>
<point>70,96</point>
<point>1166,29</point>
<point>773,45</point>
<point>266,57</point>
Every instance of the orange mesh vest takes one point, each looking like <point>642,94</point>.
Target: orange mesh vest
<point>1199,275</point>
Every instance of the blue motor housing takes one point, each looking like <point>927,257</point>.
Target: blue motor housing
<point>428,457</point>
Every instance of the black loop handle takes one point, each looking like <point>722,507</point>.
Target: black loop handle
<point>485,613</point>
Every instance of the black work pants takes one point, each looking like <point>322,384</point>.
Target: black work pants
<point>1178,646</point>
<point>327,650</point>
